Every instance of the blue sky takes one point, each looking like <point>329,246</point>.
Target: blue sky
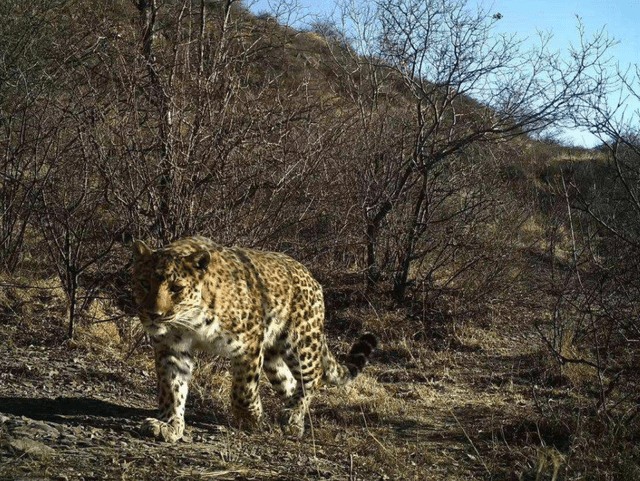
<point>621,19</point>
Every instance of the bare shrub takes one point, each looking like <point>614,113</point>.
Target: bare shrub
<point>432,92</point>
<point>593,332</point>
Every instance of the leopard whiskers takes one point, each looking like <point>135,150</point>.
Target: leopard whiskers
<point>182,322</point>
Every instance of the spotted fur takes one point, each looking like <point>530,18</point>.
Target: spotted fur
<point>262,309</point>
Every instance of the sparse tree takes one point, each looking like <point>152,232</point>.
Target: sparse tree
<point>465,85</point>
<point>595,318</point>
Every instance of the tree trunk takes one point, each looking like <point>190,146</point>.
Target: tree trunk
<point>373,229</point>
<point>416,229</point>
<point>160,95</point>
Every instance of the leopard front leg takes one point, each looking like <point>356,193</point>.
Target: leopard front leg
<point>173,369</point>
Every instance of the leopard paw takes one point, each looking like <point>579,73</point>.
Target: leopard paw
<point>292,424</point>
<point>162,431</point>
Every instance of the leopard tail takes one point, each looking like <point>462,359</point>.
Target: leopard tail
<point>337,373</point>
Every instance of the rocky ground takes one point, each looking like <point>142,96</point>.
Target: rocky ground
<point>466,410</point>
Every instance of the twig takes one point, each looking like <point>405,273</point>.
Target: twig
<point>377,441</point>
<point>470,441</point>
<point>134,347</point>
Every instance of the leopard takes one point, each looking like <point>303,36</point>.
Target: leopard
<point>262,310</point>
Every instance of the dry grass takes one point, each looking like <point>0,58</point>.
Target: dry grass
<point>481,404</point>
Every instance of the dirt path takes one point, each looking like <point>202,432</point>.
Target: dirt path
<point>72,412</point>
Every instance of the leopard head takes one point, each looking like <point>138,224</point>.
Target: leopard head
<point>167,286</point>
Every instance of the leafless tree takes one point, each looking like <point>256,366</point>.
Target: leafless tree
<point>464,85</point>
<point>27,131</point>
<point>595,318</point>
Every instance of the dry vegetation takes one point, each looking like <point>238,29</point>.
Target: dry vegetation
<point>500,272</point>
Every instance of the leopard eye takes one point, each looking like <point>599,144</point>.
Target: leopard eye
<point>176,288</point>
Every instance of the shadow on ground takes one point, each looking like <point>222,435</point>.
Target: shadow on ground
<point>69,409</point>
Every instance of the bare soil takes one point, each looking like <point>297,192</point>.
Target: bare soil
<point>460,406</point>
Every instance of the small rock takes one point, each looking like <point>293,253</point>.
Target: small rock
<point>30,447</point>
<point>68,441</point>
<point>36,429</point>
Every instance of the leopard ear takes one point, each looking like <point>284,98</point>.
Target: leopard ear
<point>200,259</point>
<point>140,250</point>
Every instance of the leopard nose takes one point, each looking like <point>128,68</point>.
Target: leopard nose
<point>154,315</point>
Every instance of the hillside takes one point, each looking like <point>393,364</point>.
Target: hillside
<point>498,267</point>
